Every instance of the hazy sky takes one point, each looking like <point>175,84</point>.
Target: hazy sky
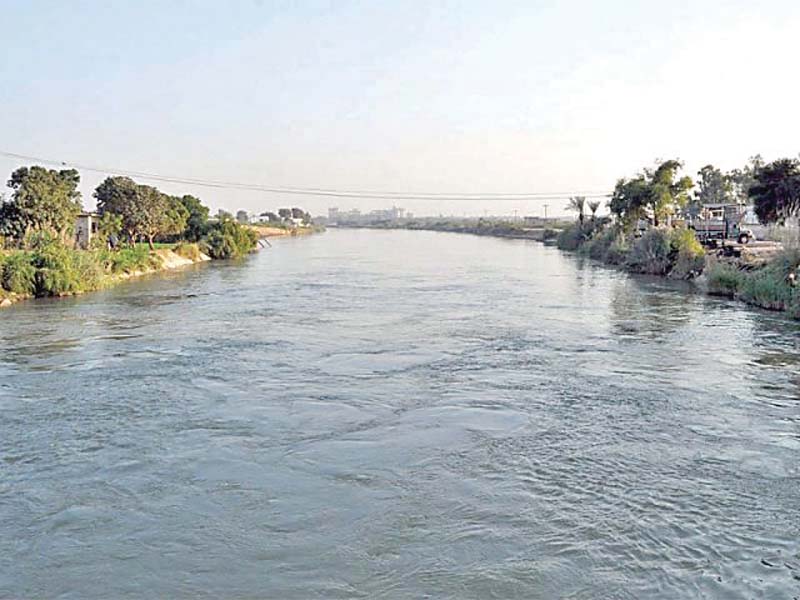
<point>469,96</point>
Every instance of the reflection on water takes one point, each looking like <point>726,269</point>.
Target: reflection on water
<point>399,414</point>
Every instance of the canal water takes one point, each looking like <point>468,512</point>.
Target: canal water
<point>391,414</point>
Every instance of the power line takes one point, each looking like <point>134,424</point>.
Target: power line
<point>303,191</point>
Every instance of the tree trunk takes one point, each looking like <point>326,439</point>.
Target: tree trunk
<point>150,242</point>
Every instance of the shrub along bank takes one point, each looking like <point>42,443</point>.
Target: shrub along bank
<point>46,266</point>
<point>660,251</point>
<point>772,286</point>
<point>676,253</point>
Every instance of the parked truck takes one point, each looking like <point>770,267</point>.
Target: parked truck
<point>720,222</point>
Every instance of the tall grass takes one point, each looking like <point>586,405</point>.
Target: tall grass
<point>770,287</point>
<point>188,250</point>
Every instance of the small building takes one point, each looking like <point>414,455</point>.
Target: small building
<point>86,225</point>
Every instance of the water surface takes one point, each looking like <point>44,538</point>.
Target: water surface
<point>399,415</point>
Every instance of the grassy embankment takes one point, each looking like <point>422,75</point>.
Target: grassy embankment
<point>45,266</point>
<point>677,254</point>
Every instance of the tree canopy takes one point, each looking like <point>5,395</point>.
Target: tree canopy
<point>145,211</point>
<point>776,191</point>
<point>657,193</point>
<point>43,200</point>
<point>197,219</point>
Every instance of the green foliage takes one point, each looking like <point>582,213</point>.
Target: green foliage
<point>56,268</point>
<point>713,187</point>
<point>577,204</point>
<point>229,239</point>
<point>129,260</point>
<point>42,200</point>
<point>571,238</point>
<point>650,253</point>
<point>110,224</point>
<point>19,274</point>
<point>144,211</point>
<point>175,218</point>
<point>12,224</point>
<point>724,279</point>
<point>769,287</point>
<point>197,219</point>
<point>188,250</point>
<point>117,196</point>
<point>599,245</point>
<point>776,191</point>
<point>655,192</point>
<point>686,254</point>
<point>629,201</point>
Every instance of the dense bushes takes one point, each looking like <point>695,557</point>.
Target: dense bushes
<point>19,274</point>
<point>127,260</point>
<point>50,268</point>
<point>770,287</point>
<point>650,253</point>
<point>571,238</point>
<point>229,239</point>
<point>686,253</point>
<point>673,252</point>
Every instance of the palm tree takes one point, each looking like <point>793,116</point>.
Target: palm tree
<point>577,204</point>
<point>593,206</point>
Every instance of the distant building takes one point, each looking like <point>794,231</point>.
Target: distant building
<point>86,225</point>
<point>356,217</point>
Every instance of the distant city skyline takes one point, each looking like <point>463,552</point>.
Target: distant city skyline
<point>445,97</point>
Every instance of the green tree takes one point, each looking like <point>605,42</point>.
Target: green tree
<point>110,225</point>
<point>12,225</point>
<point>656,193</point>
<point>145,211</point>
<point>776,191</point>
<point>668,194</point>
<point>117,195</point>
<point>629,200</point>
<point>577,204</point>
<point>285,213</point>
<point>713,187</point>
<point>43,200</point>
<point>175,218</point>
<point>197,221</point>
<point>151,213</point>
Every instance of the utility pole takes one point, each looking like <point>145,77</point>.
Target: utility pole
<point>545,211</point>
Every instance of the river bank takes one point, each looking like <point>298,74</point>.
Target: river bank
<point>764,276</point>
<point>90,270</point>
<point>266,231</point>
<point>761,277</point>
<point>484,227</point>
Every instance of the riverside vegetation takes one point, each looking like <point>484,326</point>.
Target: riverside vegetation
<point>659,195</point>
<point>38,256</point>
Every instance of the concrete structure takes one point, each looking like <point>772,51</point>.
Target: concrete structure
<point>86,228</point>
